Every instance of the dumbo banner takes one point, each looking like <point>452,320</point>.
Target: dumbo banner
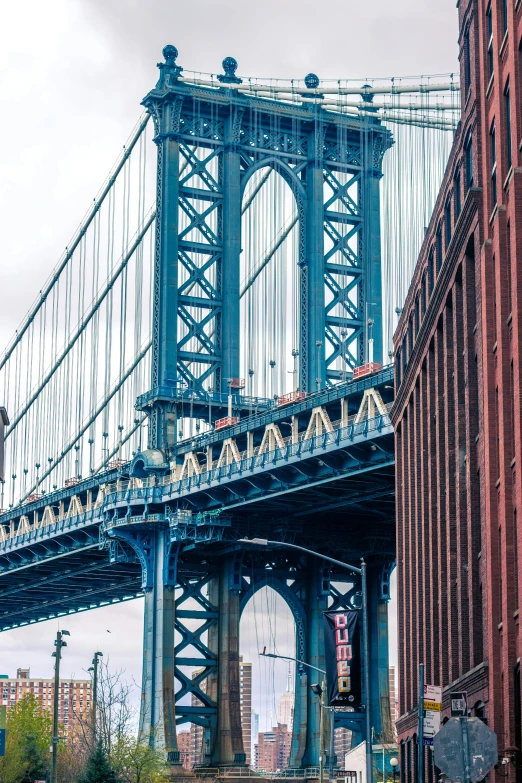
<point>343,658</point>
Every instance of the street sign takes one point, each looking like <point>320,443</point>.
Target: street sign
<point>3,714</point>
<point>465,749</point>
<point>459,704</point>
<point>433,693</point>
<point>432,710</point>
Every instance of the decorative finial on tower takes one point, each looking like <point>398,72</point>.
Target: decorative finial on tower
<point>365,94</point>
<point>230,67</point>
<point>169,71</point>
<point>312,81</point>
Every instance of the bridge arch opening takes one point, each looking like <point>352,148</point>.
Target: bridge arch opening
<point>267,622</point>
<point>270,283</point>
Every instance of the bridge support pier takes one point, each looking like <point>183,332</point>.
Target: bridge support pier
<point>229,749</point>
<point>158,558</point>
<point>316,604</point>
<point>378,589</point>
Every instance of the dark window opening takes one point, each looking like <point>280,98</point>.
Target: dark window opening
<point>467,60</point>
<point>424,295</point>
<point>509,269</point>
<point>489,23</point>
<point>457,193</point>
<point>431,272</point>
<point>507,112</point>
<point>493,150</point>
<point>439,247</point>
<point>468,151</point>
<point>447,222</point>
<point>504,16</point>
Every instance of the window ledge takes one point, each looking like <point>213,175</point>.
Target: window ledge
<point>490,85</point>
<point>503,44</point>
<point>509,177</point>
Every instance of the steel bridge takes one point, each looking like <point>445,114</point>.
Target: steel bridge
<point>313,466</point>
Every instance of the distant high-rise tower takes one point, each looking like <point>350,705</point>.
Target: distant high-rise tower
<point>285,708</point>
<point>245,695</point>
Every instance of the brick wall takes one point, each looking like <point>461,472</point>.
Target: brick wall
<point>457,413</point>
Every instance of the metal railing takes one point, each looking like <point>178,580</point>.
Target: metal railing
<point>136,488</point>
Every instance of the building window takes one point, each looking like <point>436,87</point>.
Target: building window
<point>438,244</point>
<point>507,112</point>
<point>493,148</point>
<point>467,61</point>
<point>504,16</point>
<point>456,187</point>
<point>489,27</point>
<point>424,295</point>
<point>468,154</point>
<point>447,222</point>
<point>431,272</point>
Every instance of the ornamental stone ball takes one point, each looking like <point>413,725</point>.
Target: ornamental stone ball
<point>229,77</point>
<point>312,81</point>
<point>170,53</point>
<point>229,66</point>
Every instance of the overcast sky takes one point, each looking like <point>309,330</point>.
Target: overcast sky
<point>72,75</point>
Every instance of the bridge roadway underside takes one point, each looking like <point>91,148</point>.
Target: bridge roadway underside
<point>337,497</point>
<point>345,516</point>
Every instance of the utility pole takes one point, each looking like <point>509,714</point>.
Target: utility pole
<point>57,654</point>
<point>94,670</point>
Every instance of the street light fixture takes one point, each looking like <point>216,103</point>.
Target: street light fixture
<point>57,655</point>
<point>94,670</point>
<point>366,647</point>
<point>394,763</point>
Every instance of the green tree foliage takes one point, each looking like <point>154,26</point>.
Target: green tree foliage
<point>136,762</point>
<point>97,769</point>
<point>28,739</point>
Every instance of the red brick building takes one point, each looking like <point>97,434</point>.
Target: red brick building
<point>273,749</point>
<point>74,700</point>
<point>457,415</point>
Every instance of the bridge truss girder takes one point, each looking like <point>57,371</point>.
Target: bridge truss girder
<point>210,142</point>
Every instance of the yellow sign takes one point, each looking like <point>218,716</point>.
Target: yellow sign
<point>432,705</point>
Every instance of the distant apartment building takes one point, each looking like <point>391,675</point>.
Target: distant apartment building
<point>245,695</point>
<point>342,743</point>
<point>393,699</point>
<point>273,749</point>
<point>74,702</point>
<point>185,747</point>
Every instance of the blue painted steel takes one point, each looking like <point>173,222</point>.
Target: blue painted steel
<point>326,162</point>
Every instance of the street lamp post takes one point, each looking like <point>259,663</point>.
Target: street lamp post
<point>94,670</point>
<point>57,654</point>
<point>366,647</point>
<point>394,763</point>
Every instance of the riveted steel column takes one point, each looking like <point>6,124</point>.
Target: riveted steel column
<point>165,108</point>
<point>315,262</point>
<point>316,604</point>
<point>379,658</point>
<point>372,246</point>
<point>229,748</point>
<point>230,281</point>
<point>157,719</point>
